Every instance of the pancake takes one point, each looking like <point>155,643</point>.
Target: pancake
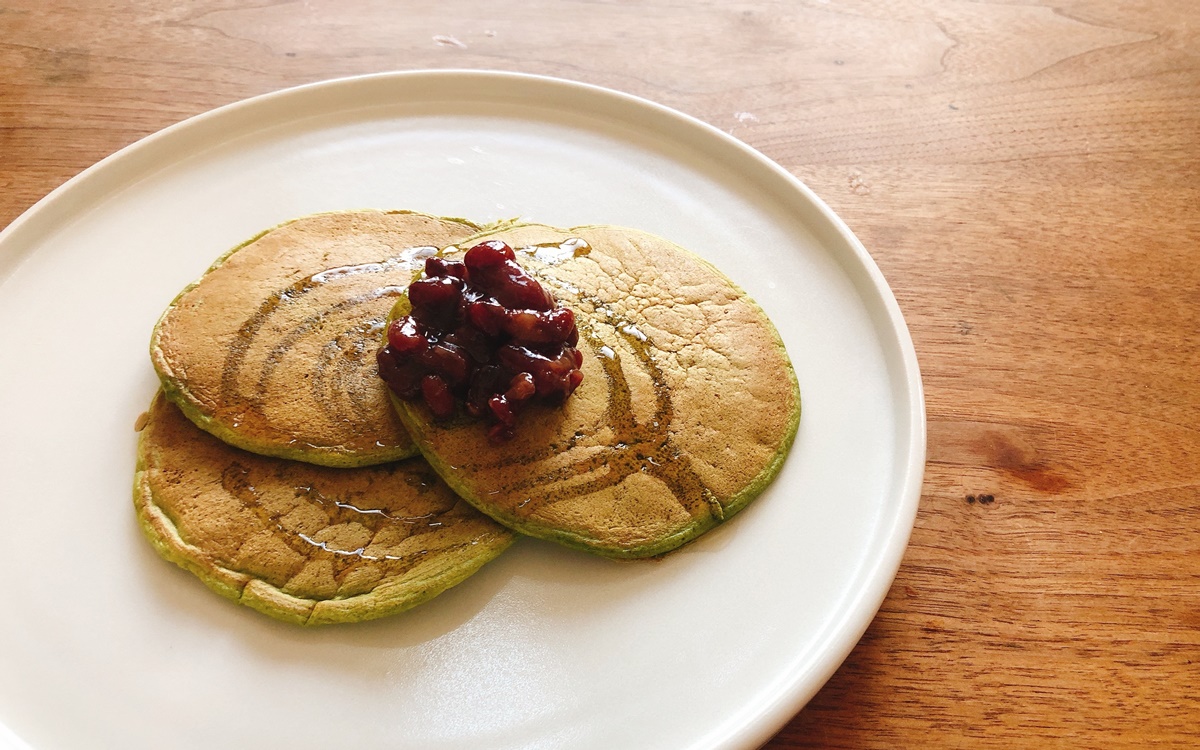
<point>688,406</point>
<point>302,543</point>
<point>273,349</point>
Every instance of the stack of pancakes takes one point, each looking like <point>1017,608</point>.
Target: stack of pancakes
<point>273,465</point>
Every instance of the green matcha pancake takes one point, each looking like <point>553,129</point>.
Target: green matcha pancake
<point>302,543</point>
<point>688,406</point>
<point>273,349</point>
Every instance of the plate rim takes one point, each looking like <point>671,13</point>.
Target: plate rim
<point>738,730</point>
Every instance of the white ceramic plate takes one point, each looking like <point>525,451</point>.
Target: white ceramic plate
<point>102,644</point>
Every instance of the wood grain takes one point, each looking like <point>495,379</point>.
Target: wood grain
<point>1027,176</point>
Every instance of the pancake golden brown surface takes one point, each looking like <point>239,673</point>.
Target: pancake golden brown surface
<point>273,349</point>
<point>688,406</point>
<point>302,543</point>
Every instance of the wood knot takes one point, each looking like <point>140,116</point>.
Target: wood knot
<point>1019,460</point>
<point>1011,449</point>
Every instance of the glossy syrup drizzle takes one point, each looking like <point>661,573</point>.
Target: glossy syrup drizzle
<point>553,253</point>
<point>237,480</point>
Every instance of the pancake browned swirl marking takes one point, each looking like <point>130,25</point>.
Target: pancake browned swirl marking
<point>642,446</point>
<point>238,481</point>
<point>349,383</point>
<point>338,371</point>
<point>346,357</point>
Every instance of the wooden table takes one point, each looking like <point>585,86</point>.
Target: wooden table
<point>1027,176</point>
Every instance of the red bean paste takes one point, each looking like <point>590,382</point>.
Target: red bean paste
<point>483,336</point>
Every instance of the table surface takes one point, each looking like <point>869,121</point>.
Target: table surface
<point>1027,176</point>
